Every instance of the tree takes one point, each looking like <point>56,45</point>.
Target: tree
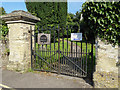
<point>103,19</point>
<point>50,13</point>
<point>73,22</point>
<point>3,26</point>
<point>2,11</point>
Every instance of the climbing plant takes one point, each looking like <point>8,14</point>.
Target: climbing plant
<point>103,19</point>
<point>3,26</point>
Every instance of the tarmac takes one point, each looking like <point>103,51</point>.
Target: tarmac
<point>12,79</point>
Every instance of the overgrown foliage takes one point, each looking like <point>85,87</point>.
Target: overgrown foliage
<point>73,23</point>
<point>103,19</point>
<point>3,33</point>
<point>3,26</point>
<point>2,11</point>
<point>50,13</point>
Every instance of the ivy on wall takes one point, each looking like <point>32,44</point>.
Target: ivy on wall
<point>3,26</point>
<point>103,19</point>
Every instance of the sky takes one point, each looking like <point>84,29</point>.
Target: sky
<point>73,7</point>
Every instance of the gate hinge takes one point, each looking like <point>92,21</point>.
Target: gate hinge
<point>32,52</point>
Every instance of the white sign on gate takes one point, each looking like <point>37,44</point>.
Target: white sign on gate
<point>76,36</point>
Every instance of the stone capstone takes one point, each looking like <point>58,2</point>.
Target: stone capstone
<point>20,15</point>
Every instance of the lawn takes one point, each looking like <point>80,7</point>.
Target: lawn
<point>84,46</point>
<point>50,55</point>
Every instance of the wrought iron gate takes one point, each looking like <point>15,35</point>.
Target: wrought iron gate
<point>62,55</point>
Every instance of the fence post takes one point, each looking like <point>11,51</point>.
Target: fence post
<point>58,51</point>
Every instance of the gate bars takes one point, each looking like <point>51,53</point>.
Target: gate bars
<point>62,55</point>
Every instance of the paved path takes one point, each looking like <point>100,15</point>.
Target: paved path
<point>41,80</point>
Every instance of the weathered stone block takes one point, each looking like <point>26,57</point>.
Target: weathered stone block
<point>4,54</point>
<point>105,80</point>
<point>106,74</point>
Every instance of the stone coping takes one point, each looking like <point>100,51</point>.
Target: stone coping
<point>20,21</point>
<point>20,15</point>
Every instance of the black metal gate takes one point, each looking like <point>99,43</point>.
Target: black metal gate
<point>62,55</point>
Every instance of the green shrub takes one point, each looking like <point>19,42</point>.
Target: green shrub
<point>103,19</point>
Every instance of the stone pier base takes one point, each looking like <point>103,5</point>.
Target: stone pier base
<point>105,80</point>
<point>18,66</point>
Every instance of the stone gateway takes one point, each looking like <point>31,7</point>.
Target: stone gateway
<point>19,23</point>
<point>22,45</point>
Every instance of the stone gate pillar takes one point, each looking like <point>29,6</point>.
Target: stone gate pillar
<point>106,73</point>
<point>19,23</point>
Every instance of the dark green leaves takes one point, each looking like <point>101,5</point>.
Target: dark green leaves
<point>51,13</point>
<point>103,18</point>
<point>3,26</point>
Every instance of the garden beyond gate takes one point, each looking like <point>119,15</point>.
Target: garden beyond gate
<point>61,55</point>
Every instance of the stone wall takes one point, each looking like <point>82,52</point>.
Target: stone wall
<point>106,73</point>
<point>4,53</point>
